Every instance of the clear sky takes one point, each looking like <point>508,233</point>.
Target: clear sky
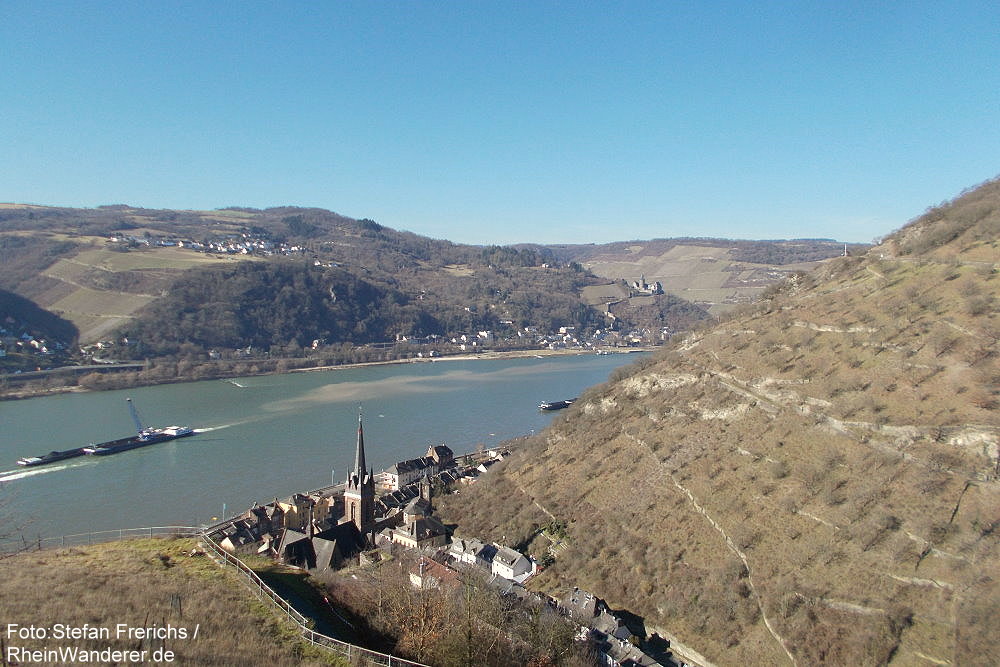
<point>506,122</point>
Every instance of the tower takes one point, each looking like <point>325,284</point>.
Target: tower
<point>425,493</point>
<point>359,492</point>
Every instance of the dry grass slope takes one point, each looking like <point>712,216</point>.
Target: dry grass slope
<point>815,480</point>
<point>141,583</point>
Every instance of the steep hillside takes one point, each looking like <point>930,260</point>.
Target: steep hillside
<point>815,480</point>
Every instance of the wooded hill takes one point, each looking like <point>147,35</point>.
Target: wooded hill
<point>318,275</point>
<point>812,481</point>
<point>182,283</point>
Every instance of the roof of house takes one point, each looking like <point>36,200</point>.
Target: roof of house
<point>487,552</point>
<point>507,556</point>
<point>441,452</point>
<point>429,568</point>
<point>423,529</point>
<point>417,506</point>
<point>411,465</point>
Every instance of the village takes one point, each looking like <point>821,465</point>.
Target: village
<point>374,517</point>
<point>258,243</point>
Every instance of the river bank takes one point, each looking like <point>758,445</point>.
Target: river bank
<point>484,356</point>
<point>57,381</point>
<point>267,436</point>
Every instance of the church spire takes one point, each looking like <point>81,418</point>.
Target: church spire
<point>359,492</point>
<point>359,456</point>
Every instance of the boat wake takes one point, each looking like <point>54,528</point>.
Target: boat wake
<point>209,429</point>
<point>21,473</point>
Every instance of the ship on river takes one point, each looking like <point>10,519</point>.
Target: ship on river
<point>144,436</point>
<point>51,457</point>
<point>547,406</point>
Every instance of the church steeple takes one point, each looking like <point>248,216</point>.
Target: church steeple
<point>359,492</point>
<point>359,455</point>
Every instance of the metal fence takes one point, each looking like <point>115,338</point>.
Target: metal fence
<point>355,655</point>
<point>83,539</point>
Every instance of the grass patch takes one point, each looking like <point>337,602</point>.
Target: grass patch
<point>146,582</point>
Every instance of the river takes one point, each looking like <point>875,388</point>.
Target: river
<point>263,437</point>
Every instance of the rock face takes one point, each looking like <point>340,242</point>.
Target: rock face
<point>814,480</point>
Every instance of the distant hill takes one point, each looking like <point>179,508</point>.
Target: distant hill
<point>121,270</point>
<point>814,480</point>
<point>31,337</point>
<point>715,274</point>
<point>184,283</point>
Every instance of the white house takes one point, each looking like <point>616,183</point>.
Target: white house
<point>510,564</point>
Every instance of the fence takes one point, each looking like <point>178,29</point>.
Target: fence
<point>355,655</point>
<point>83,539</point>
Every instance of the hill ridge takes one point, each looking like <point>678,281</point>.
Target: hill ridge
<point>841,435</point>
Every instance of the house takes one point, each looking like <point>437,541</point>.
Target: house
<point>472,552</point>
<point>428,573</point>
<point>441,455</point>
<point>615,633</point>
<point>420,533</point>
<point>419,529</point>
<point>486,465</point>
<point>238,537</point>
<point>403,473</point>
<point>463,550</point>
<point>296,510</point>
<point>512,565</point>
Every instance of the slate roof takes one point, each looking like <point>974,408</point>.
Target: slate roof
<point>423,529</point>
<point>507,556</point>
<point>441,453</point>
<point>403,467</point>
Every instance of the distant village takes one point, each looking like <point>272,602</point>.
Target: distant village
<point>19,339</point>
<point>247,243</point>
<point>259,244</point>
<point>375,516</point>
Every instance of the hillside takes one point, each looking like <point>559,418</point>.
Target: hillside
<point>120,270</point>
<point>814,480</point>
<point>142,584</point>
<point>22,317</point>
<point>715,274</point>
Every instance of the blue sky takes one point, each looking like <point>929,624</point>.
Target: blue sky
<point>506,122</point>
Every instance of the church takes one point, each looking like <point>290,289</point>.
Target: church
<point>323,543</point>
<point>320,545</point>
